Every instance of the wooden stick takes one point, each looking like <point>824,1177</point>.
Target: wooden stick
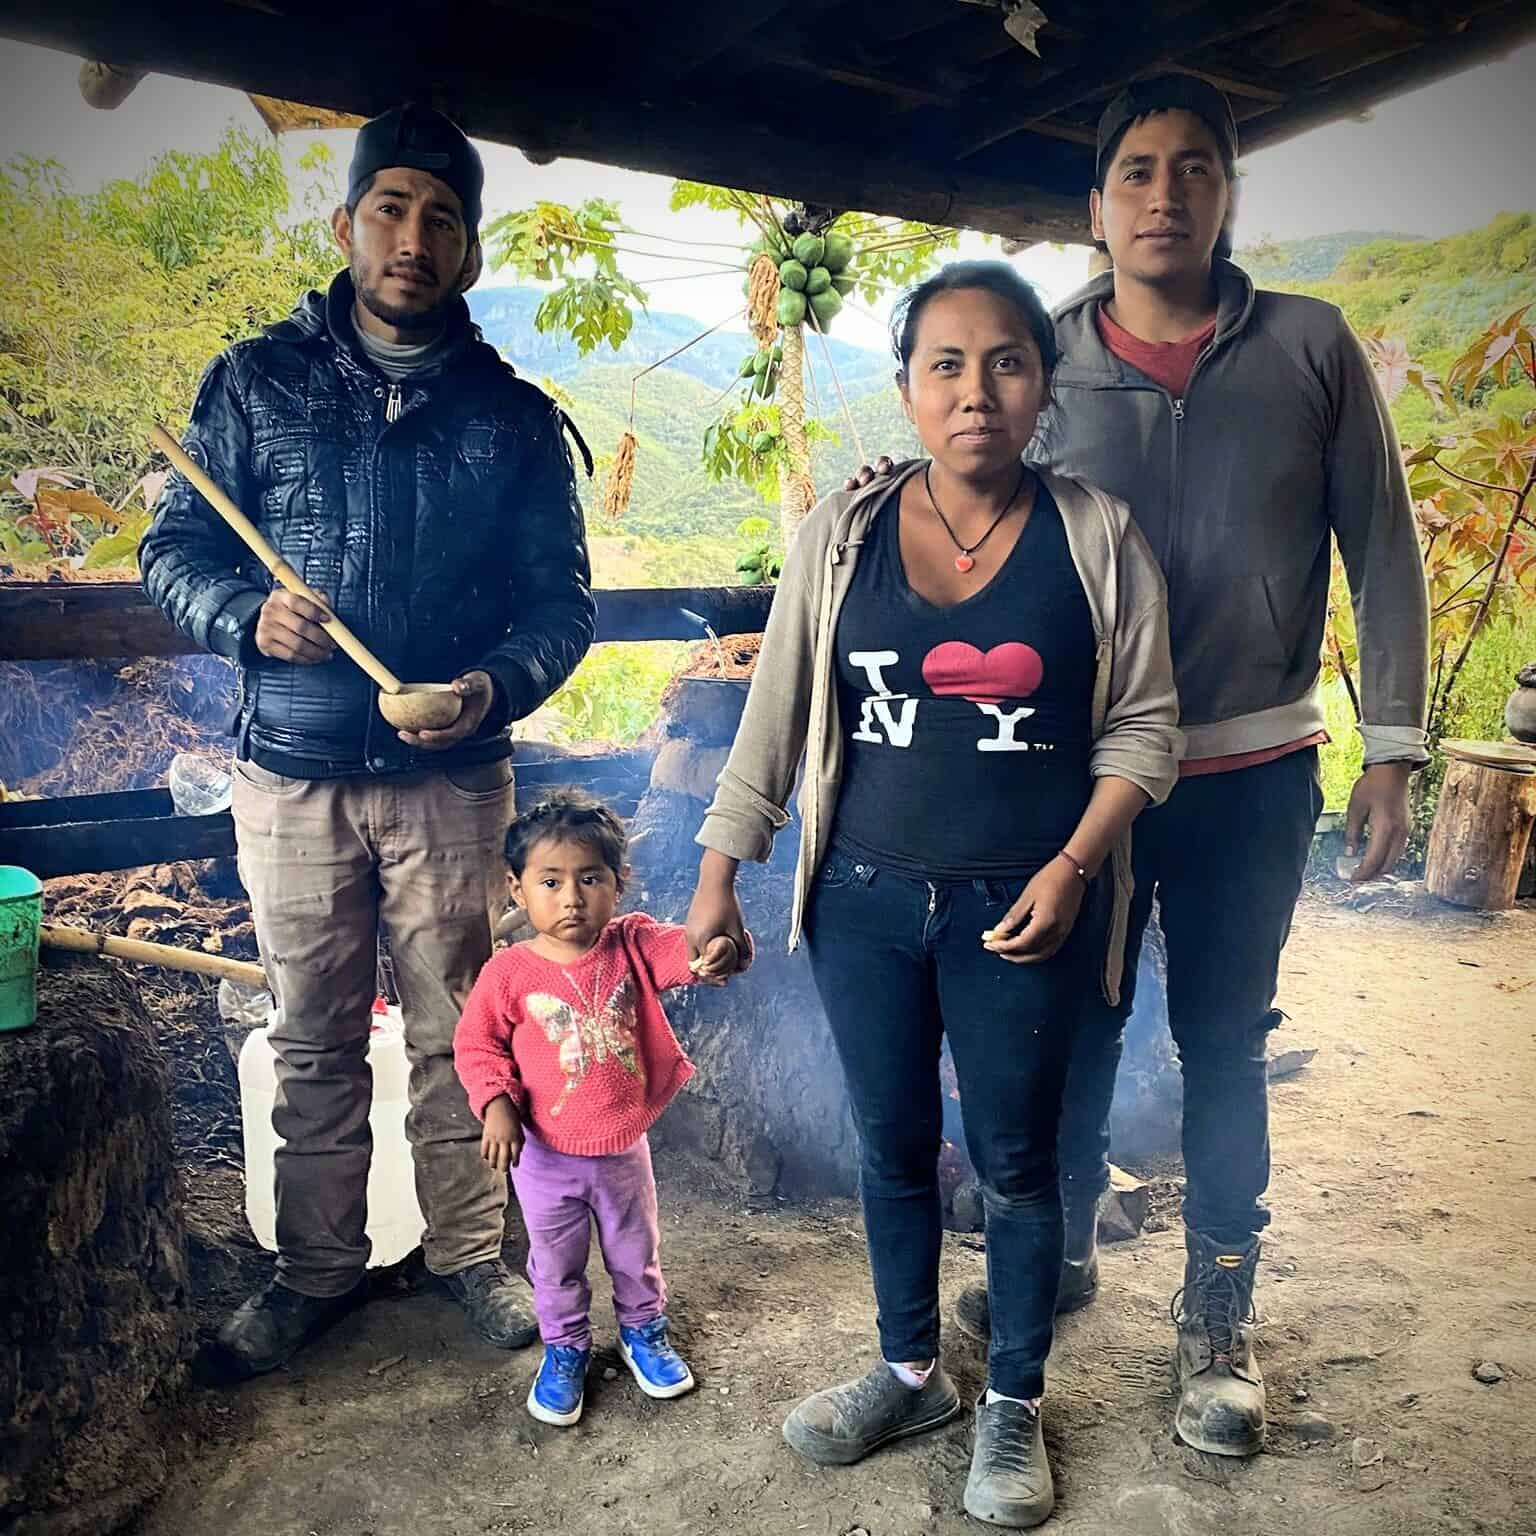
<point>282,573</point>
<point>79,941</point>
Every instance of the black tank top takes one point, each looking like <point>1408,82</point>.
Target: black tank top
<point>967,730</point>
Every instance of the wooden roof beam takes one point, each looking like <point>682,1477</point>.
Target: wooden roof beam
<point>1481,39</point>
<point>1108,68</point>
<point>252,50</point>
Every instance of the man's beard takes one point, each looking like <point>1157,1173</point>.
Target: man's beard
<point>424,320</point>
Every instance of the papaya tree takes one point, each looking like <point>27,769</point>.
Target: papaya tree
<point>800,264</point>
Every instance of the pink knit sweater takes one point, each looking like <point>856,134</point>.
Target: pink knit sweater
<point>583,1050</point>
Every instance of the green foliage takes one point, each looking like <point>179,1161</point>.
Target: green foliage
<point>761,560</point>
<point>544,241</point>
<point>1433,296</point>
<point>1340,758</point>
<point>746,445</point>
<point>112,305</point>
<point>615,694</point>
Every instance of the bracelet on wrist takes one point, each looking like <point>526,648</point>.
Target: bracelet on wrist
<point>1077,869</point>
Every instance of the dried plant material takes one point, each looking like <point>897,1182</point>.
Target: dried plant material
<point>621,478</point>
<point>763,299</point>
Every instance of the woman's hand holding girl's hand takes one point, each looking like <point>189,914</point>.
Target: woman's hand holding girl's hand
<point>715,913</point>
<point>501,1141</point>
<point>718,963</point>
<point>1038,923</point>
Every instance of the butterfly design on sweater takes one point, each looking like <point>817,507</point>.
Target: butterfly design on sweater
<point>589,1034</point>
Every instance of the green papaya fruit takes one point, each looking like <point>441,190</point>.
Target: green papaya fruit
<point>777,353</point>
<point>809,250</point>
<point>825,307</point>
<point>748,367</point>
<point>844,283</point>
<point>838,254</point>
<point>760,362</point>
<point>792,275</point>
<point>817,280</point>
<point>762,442</point>
<point>791,307</point>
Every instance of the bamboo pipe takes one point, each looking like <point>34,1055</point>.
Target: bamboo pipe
<point>81,942</point>
<point>282,573</point>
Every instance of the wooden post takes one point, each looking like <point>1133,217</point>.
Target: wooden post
<point>1482,828</point>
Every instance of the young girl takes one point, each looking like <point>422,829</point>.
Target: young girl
<point>972,654</point>
<point>568,1060</point>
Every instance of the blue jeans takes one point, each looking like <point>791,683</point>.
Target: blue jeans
<point>1225,856</point>
<point>899,963</point>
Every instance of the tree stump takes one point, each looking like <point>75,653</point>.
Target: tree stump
<point>94,1318</point>
<point>1482,828</point>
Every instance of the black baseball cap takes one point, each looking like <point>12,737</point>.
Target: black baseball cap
<point>424,140</point>
<point>1163,93</point>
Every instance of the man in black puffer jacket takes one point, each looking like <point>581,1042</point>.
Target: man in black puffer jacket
<point>427,493</point>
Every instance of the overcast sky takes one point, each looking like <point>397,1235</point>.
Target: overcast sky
<point>1441,160</point>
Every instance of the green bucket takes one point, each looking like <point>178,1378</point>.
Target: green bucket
<point>21,914</point>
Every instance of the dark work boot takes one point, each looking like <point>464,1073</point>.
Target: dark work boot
<point>496,1301</point>
<point>266,1330</point>
<point>1080,1251</point>
<point>972,1313</point>
<point>1221,1390</point>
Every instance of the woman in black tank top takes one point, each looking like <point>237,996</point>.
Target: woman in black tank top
<point>959,893</point>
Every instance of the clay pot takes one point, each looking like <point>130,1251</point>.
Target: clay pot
<point>421,706</point>
<point>1520,710</point>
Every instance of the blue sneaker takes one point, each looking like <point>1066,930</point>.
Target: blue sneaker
<point>559,1389</point>
<point>659,1369</point>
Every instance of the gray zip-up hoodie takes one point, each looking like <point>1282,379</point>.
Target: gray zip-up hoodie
<point>1281,438</point>
<point>792,706</point>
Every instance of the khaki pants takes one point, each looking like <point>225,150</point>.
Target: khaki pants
<point>324,862</point>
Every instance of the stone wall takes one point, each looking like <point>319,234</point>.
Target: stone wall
<point>95,1327</point>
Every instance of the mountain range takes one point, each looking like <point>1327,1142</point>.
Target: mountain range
<point>506,317</point>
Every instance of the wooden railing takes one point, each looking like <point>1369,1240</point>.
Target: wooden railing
<point>88,620</point>
<point>78,621</point>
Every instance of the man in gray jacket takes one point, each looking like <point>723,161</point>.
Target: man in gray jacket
<point>1246,432</point>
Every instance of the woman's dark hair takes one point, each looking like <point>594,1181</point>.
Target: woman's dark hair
<point>996,277</point>
<point>568,816</point>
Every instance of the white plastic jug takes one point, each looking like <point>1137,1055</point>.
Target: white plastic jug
<point>394,1217</point>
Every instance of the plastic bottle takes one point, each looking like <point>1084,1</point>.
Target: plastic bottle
<point>199,786</point>
<point>394,1217</point>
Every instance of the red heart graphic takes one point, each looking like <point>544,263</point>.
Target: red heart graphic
<point>1009,671</point>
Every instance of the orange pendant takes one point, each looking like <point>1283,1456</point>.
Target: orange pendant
<point>963,563</point>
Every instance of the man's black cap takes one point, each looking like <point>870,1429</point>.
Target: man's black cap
<point>1163,93</point>
<point>423,140</point>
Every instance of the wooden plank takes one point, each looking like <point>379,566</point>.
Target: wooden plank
<point>61,810</point>
<point>517,94</point>
<point>90,847</point>
<point>74,621</point>
<point>88,834</point>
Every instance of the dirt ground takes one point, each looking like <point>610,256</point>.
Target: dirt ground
<point>1401,1257</point>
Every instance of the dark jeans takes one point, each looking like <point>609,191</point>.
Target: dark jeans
<point>899,963</point>
<point>1225,856</point>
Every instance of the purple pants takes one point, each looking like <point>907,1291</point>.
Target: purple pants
<point>561,1195</point>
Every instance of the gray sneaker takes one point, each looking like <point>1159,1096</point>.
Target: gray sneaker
<point>844,1424</point>
<point>1010,1482</point>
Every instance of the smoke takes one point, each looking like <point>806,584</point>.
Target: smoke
<point>91,727</point>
